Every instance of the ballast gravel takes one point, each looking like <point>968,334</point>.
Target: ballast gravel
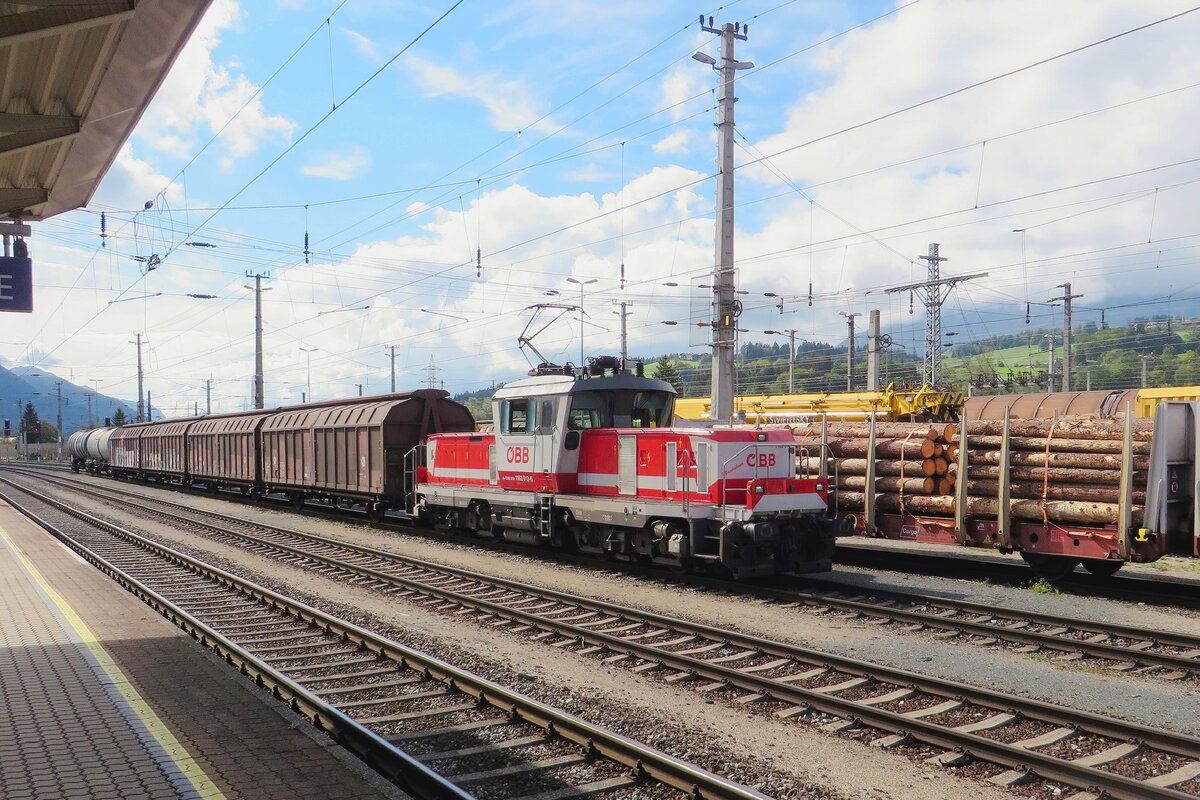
<point>799,762</point>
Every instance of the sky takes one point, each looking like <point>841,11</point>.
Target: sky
<point>1038,142</point>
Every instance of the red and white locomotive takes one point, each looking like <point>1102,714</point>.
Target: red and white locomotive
<point>592,462</point>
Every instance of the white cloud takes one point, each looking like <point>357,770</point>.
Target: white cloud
<point>920,52</point>
<point>684,81</point>
<point>875,70</point>
<point>340,165</point>
<point>130,182</point>
<point>365,46</point>
<point>676,143</point>
<point>200,96</point>
<point>511,105</point>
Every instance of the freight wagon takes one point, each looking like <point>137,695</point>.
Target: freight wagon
<point>345,452</point>
<point>1060,491</point>
<point>579,461</point>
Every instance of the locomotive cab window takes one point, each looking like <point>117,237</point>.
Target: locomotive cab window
<point>516,416</point>
<point>589,410</point>
<point>548,416</point>
<point>651,410</point>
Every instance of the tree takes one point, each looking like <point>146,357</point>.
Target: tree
<point>665,370</point>
<point>119,417</point>
<point>30,424</point>
<point>47,432</point>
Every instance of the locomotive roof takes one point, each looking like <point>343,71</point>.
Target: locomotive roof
<point>542,385</point>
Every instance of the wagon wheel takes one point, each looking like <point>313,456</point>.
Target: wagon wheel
<point>297,499</point>
<point>1102,567</point>
<point>377,511</point>
<point>1052,568</point>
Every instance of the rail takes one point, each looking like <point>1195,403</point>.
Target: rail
<point>643,760</point>
<point>824,699</point>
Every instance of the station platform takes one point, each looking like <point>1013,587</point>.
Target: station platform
<point>105,699</point>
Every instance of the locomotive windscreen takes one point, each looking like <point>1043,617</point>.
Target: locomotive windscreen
<point>620,409</point>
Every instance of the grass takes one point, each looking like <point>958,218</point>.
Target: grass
<point>1174,564</point>
<point>1043,586</point>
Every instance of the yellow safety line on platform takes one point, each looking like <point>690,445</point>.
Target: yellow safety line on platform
<point>192,772</point>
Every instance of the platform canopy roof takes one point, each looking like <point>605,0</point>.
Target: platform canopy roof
<point>75,77</point>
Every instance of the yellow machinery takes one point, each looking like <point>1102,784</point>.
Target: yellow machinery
<point>891,404</point>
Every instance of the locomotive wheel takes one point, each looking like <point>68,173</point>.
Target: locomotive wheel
<point>1052,568</point>
<point>1102,567</point>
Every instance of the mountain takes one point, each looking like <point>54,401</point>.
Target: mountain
<point>22,384</point>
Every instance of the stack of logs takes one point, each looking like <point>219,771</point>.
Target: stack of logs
<point>910,458</point>
<point>1066,471</point>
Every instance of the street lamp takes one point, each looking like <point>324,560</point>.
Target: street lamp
<point>791,334</point>
<point>581,285</point>
<point>308,351</point>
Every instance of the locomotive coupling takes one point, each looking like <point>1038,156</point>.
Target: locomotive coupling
<point>758,533</point>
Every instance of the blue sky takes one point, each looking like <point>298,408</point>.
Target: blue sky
<point>562,138</point>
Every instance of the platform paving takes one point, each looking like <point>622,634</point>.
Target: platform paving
<point>103,698</point>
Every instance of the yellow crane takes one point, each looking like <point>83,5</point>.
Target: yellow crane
<point>925,403</point>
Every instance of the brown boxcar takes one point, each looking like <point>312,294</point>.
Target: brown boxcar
<point>356,449</point>
<point>224,448</point>
<point>163,448</point>
<point>124,448</point>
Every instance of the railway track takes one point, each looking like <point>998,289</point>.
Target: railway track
<point>1087,755</point>
<point>436,730</point>
<point>1183,593</point>
<point>1160,654</point>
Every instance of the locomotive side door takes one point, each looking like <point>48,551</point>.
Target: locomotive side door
<point>525,446</point>
<point>514,443</point>
<point>546,441</point>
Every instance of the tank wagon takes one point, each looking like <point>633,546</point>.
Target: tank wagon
<point>89,449</point>
<point>591,462</point>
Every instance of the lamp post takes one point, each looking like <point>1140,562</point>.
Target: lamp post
<point>581,285</point>
<point>96,393</point>
<point>1050,362</point>
<point>308,351</point>
<point>850,349</point>
<point>791,334</point>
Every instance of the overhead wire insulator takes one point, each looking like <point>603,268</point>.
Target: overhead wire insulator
<point>910,302</point>
<point>1027,313</point>
<point>103,230</point>
<point>809,297</point>
<point>307,252</point>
